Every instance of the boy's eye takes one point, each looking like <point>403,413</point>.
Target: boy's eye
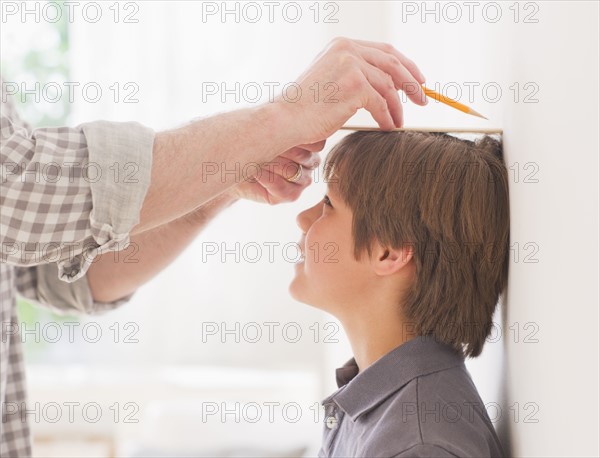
<point>327,201</point>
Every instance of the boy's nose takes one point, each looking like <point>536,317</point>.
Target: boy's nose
<point>305,219</point>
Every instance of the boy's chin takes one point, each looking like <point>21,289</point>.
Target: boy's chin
<point>296,291</point>
<point>299,293</point>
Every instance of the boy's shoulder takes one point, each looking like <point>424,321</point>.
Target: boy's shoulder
<point>418,400</point>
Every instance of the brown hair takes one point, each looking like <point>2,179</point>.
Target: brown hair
<point>446,197</point>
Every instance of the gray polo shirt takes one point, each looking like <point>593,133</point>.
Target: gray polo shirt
<point>417,400</point>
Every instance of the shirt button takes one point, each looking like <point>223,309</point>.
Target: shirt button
<point>72,271</point>
<point>331,422</point>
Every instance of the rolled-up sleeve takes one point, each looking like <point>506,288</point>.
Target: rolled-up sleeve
<point>124,152</point>
<point>68,194</point>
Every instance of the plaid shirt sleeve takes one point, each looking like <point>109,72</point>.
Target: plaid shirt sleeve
<point>67,195</point>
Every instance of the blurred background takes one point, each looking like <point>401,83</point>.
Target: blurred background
<point>213,357</point>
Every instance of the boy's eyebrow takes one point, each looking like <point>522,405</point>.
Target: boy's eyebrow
<point>329,192</point>
<point>332,185</point>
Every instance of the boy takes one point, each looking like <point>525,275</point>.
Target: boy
<point>420,227</point>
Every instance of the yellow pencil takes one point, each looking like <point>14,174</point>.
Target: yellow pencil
<point>448,101</point>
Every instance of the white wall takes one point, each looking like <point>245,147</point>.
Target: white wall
<point>560,214</point>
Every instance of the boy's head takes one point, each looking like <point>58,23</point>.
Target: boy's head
<point>414,227</point>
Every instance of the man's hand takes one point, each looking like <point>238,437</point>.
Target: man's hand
<point>270,184</point>
<point>346,76</point>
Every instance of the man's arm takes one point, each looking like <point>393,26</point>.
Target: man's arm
<point>114,275</point>
<point>195,163</point>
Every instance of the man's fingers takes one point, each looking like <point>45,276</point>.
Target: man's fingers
<point>281,190</point>
<point>374,102</point>
<point>400,75</point>
<point>387,48</point>
<point>287,169</point>
<point>301,156</point>
<point>383,83</point>
<point>378,107</point>
<point>314,147</point>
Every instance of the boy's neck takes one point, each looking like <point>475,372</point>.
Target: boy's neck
<point>373,335</point>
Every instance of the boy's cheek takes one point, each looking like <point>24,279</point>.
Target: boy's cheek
<point>327,275</point>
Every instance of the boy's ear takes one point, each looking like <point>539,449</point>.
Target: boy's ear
<point>388,261</point>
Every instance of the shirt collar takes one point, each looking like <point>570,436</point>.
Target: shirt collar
<point>359,393</point>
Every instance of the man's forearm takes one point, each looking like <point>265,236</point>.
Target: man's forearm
<point>197,162</point>
<point>114,275</point>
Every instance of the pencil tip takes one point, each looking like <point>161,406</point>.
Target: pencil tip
<point>474,113</point>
